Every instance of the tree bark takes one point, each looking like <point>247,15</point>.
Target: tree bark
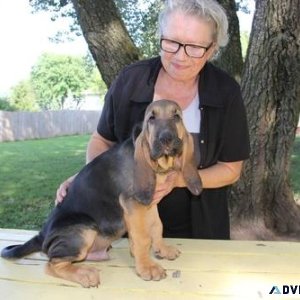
<point>230,58</point>
<point>262,201</point>
<point>106,35</point>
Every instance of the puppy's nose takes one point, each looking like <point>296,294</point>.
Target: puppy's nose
<point>166,137</point>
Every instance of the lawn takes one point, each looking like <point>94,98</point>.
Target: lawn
<point>31,171</point>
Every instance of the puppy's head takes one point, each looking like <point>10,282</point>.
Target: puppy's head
<point>163,145</point>
<point>164,130</point>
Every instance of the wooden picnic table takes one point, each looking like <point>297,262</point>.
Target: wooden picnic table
<point>206,269</point>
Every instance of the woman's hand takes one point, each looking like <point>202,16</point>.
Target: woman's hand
<point>97,145</point>
<point>174,179</point>
<point>63,189</point>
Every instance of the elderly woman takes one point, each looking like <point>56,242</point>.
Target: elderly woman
<point>190,34</point>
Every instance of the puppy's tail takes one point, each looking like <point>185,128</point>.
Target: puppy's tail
<point>19,251</point>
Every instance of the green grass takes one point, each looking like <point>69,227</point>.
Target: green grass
<point>31,171</point>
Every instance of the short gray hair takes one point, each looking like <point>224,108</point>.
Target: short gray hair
<point>209,10</point>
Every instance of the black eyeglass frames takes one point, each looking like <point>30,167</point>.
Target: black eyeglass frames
<point>191,50</point>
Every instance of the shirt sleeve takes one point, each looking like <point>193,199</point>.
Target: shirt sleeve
<point>106,124</point>
<point>235,140</point>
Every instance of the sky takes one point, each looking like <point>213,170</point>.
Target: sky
<point>25,36</point>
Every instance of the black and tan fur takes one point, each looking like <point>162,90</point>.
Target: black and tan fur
<point>112,195</point>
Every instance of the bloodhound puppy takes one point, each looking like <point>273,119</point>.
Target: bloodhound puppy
<point>112,195</point>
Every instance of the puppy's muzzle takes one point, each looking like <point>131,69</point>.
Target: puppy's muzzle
<point>166,143</point>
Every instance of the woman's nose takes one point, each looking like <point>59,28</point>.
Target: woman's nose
<point>180,54</point>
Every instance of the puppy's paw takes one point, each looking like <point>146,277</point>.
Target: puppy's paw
<point>168,252</point>
<point>87,277</point>
<point>151,271</point>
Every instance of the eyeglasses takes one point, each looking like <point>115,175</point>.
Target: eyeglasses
<point>191,50</point>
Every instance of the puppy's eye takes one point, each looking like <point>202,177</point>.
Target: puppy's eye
<point>177,117</point>
<point>151,118</point>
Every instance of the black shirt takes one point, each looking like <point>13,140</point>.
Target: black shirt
<point>223,137</point>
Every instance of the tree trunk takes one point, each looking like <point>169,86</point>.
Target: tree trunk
<point>230,58</point>
<point>106,35</point>
<point>262,202</point>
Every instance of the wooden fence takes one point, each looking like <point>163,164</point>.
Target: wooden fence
<point>16,126</point>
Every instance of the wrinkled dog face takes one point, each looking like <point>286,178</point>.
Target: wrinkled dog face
<point>163,124</point>
<point>164,145</point>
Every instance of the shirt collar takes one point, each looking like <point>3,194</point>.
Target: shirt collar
<point>208,89</point>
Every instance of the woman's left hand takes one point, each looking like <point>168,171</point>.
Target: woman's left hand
<point>173,179</point>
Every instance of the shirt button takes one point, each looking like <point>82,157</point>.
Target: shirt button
<point>202,141</point>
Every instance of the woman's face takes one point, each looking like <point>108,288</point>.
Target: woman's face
<point>186,29</point>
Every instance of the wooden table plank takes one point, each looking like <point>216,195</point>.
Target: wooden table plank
<point>205,270</point>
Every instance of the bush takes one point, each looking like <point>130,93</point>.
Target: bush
<point>5,105</point>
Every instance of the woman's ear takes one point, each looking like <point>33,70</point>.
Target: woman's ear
<point>144,179</point>
<point>212,52</point>
<point>188,166</point>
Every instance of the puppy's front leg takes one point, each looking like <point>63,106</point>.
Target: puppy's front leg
<point>160,248</point>
<point>136,219</point>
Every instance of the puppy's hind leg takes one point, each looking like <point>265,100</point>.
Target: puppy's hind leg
<point>64,248</point>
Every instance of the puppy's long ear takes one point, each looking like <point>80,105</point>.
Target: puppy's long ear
<point>137,129</point>
<point>144,176</point>
<point>188,167</point>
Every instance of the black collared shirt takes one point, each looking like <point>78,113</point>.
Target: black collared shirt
<point>223,137</point>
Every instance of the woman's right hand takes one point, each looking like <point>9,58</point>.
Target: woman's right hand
<point>96,146</point>
<point>63,189</point>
